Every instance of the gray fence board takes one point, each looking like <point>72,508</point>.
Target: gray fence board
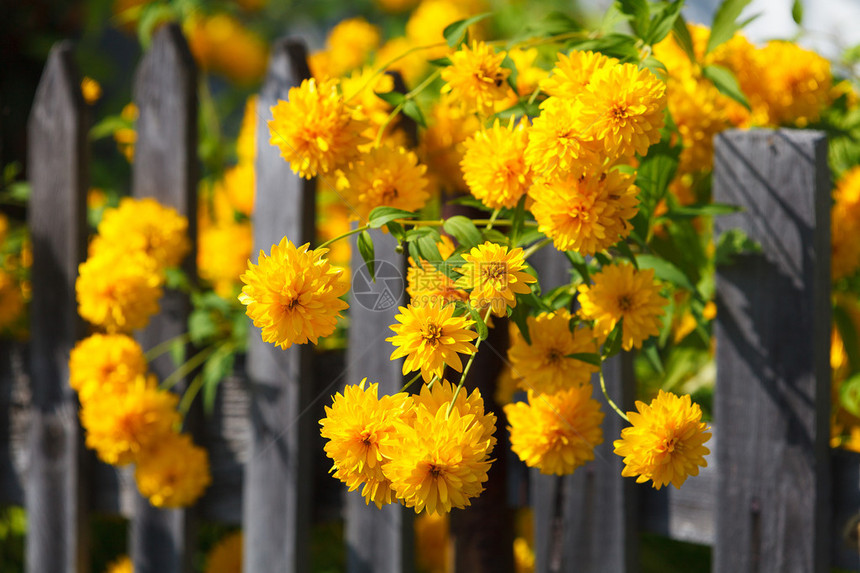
<point>58,155</point>
<point>165,168</point>
<point>277,476</point>
<point>773,347</point>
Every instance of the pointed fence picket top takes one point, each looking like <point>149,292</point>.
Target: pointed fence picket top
<point>278,474</point>
<point>772,402</point>
<point>586,522</point>
<point>165,168</point>
<point>58,520</point>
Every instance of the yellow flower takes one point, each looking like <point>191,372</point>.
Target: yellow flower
<point>428,22</point>
<point>665,441</point>
<point>126,137</point>
<point>543,366</point>
<point>558,142</point>
<point>246,142</point>
<point>226,556</point>
<point>588,213</point>
<point>494,165</point>
<point>120,426</point>
<point>573,73</point>
<point>443,142</point>
<point>494,276</point>
<point>621,292</point>
<point>222,44</point>
<point>359,90</point>
<point>389,176</point>
<point>147,226</point>
<point>844,246</point>
<point>556,433</point>
<point>121,565</point>
<point>350,43</point>
<point>798,83</point>
<point>439,462</point>
<point>105,364</point>
<point>222,255</point>
<point>91,90</point>
<point>426,284</point>
<point>293,294</point>
<point>333,221</point>
<point>430,337</point>
<point>432,544</point>
<point>118,290</point>
<point>440,396</point>
<point>623,108</point>
<point>314,129</point>
<point>529,76</point>
<point>358,427</point>
<point>174,472</point>
<point>476,77</point>
<point>239,184</point>
<point>524,556</point>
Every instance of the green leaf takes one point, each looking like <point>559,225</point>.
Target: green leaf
<point>495,236</point>
<point>589,357</point>
<point>429,249</point>
<point>177,352</point>
<point>612,345</point>
<point>481,326</point>
<point>702,210</point>
<point>463,229</point>
<point>624,249</point>
<point>725,22</point>
<point>619,46</point>
<point>578,263</point>
<point>663,22</point>
<point>519,315</point>
<point>440,62</point>
<point>797,12</point>
<point>216,369</point>
<point>382,215</point>
<point>655,66</point>
<point>508,63</point>
<point>153,15</point>
<point>656,173</point>
<point>638,13</point>
<point>726,83</point>
<point>365,248</point>
<point>555,23</point>
<point>849,395</point>
<point>456,32</point>
<point>731,243</point>
<point>649,349</point>
<point>202,326</point>
<point>393,98</point>
<point>517,220</point>
<point>412,111</point>
<point>176,279</point>
<point>664,270</point>
<point>396,229</point>
<point>108,126</point>
<point>683,37</point>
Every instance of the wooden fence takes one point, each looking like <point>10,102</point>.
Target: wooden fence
<point>774,497</point>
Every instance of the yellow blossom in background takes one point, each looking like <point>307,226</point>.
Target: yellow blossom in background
<point>126,137</point>
<point>476,77</point>
<point>426,284</point>
<point>119,426</point>
<point>573,73</point>
<point>665,441</point>
<point>395,56</point>
<point>314,129</point>
<point>556,433</point>
<point>443,143</point>
<point>222,44</point>
<point>119,291</point>
<point>798,82</point>
<point>524,556</point>
<point>246,142</point>
<point>529,76</point>
<point>293,294</point>
<point>146,226</point>
<point>623,109</point>
<point>440,396</point>
<point>121,565</point>
<point>432,545</point>
<point>621,292</point>
<point>439,462</point>
<point>495,275</point>
<point>430,337</point>
<point>239,185</point>
<point>105,364</point>
<point>91,90</point>
<point>428,21</point>
<point>226,556</point>
<point>558,142</point>
<point>349,45</point>
<point>173,472</point>
<point>12,300</point>
<point>222,255</point>
<point>586,214</point>
<point>543,365</point>
<point>359,90</point>
<point>494,165</point>
<point>358,427</point>
<point>844,219</point>
<point>96,198</point>
<point>333,220</point>
<point>386,176</point>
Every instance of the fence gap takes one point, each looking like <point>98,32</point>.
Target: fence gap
<point>772,402</point>
<point>277,492</point>
<point>165,168</point>
<point>58,509</point>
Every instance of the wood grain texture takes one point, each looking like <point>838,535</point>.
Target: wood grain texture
<point>278,490</point>
<point>165,168</point>
<point>378,541</point>
<point>15,407</point>
<point>773,346</point>
<point>58,158</point>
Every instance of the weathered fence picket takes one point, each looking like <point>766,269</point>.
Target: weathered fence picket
<point>765,502</point>
<point>772,398</point>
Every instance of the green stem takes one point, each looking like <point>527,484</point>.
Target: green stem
<point>612,404</point>
<point>535,248</point>
<point>189,366</point>
<point>411,381</point>
<point>165,346</point>
<point>190,394</point>
<point>408,96</point>
<point>432,381</point>
<point>466,369</point>
<point>477,222</point>
<point>382,69</point>
<point>493,218</point>
<point>343,236</point>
